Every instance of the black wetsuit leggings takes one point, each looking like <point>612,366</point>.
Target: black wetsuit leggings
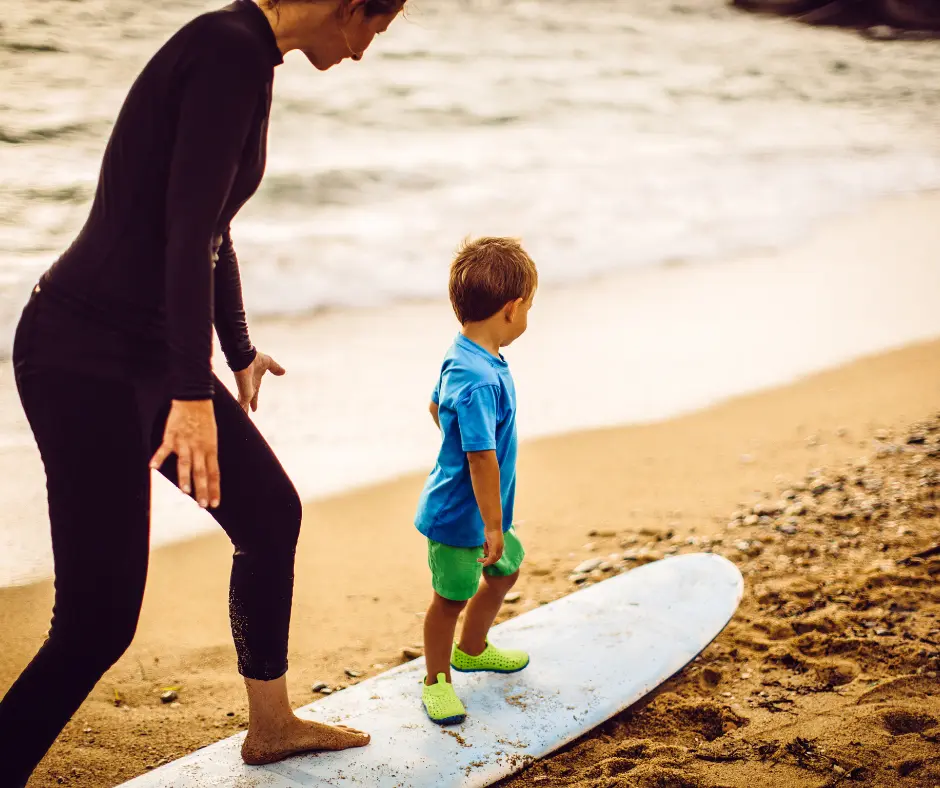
<point>96,459</point>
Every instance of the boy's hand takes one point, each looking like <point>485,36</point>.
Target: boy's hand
<point>484,475</point>
<point>492,548</point>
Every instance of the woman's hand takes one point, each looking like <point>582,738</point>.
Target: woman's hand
<point>191,435</point>
<point>249,379</point>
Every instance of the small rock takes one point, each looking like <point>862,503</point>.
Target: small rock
<point>601,534</point>
<point>751,519</point>
<point>711,676</point>
<point>353,674</point>
<point>512,597</point>
<point>787,528</point>
<point>882,435</point>
<point>577,579</point>
<point>587,566</point>
<point>319,686</point>
<point>745,676</point>
<point>326,691</point>
<point>412,652</point>
<point>590,547</point>
<point>606,566</point>
<point>881,33</point>
<point>838,769</point>
<point>170,696</point>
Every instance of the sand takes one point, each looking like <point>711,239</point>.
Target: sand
<point>815,684</point>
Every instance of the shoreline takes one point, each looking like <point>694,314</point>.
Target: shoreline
<point>685,475</point>
<point>649,345</point>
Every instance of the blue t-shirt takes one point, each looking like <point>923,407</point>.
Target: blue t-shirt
<point>476,402</point>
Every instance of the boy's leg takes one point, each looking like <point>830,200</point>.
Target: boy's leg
<point>482,611</point>
<point>440,624</point>
<point>455,577</point>
<point>475,653</point>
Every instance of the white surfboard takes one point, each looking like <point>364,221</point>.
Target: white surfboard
<point>593,654</point>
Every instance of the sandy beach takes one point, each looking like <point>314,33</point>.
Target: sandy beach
<point>830,663</point>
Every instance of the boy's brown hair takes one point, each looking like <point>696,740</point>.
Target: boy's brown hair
<point>487,274</point>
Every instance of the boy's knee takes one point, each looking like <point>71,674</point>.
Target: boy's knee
<point>453,607</point>
<point>504,582</point>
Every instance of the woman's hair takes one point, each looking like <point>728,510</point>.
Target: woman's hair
<point>369,7</point>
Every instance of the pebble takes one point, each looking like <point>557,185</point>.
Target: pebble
<point>170,696</point>
<point>590,547</point>
<point>512,597</point>
<point>319,686</point>
<point>353,674</point>
<point>786,528</point>
<point>601,534</point>
<point>587,566</point>
<point>838,769</point>
<point>412,652</point>
<point>745,676</point>
<point>577,578</point>
<point>326,691</point>
<point>751,519</point>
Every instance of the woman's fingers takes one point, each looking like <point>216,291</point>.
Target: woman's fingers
<point>214,477</point>
<point>200,478</point>
<point>275,368</point>
<point>184,468</point>
<point>160,456</point>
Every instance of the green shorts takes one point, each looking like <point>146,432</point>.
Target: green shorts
<point>456,571</point>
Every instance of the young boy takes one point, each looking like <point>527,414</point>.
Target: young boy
<point>467,503</point>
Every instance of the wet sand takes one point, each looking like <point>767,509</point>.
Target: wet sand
<point>801,636</point>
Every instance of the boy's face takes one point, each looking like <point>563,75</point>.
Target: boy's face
<point>517,318</point>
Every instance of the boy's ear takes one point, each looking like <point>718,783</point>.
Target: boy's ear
<point>512,309</point>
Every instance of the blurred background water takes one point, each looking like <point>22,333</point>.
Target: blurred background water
<point>618,139</point>
<point>608,135</point>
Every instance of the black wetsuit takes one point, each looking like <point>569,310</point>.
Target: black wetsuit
<point>121,325</point>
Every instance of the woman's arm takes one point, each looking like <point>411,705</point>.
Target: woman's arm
<point>220,91</point>
<point>230,322</point>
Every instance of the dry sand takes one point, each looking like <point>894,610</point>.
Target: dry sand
<point>830,665</point>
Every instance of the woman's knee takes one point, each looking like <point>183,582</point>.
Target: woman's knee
<point>97,639</point>
<point>271,526</point>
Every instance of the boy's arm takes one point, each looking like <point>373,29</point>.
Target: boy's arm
<point>484,475</point>
<point>434,411</point>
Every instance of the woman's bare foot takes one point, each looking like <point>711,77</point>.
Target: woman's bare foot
<point>298,736</point>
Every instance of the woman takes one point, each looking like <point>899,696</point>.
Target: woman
<point>113,364</point>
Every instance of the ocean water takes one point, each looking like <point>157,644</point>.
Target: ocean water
<point>608,135</point>
<point>617,139</point>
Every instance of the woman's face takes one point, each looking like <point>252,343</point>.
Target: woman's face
<point>346,35</point>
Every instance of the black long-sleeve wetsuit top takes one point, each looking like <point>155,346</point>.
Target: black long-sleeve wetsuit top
<point>187,151</point>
